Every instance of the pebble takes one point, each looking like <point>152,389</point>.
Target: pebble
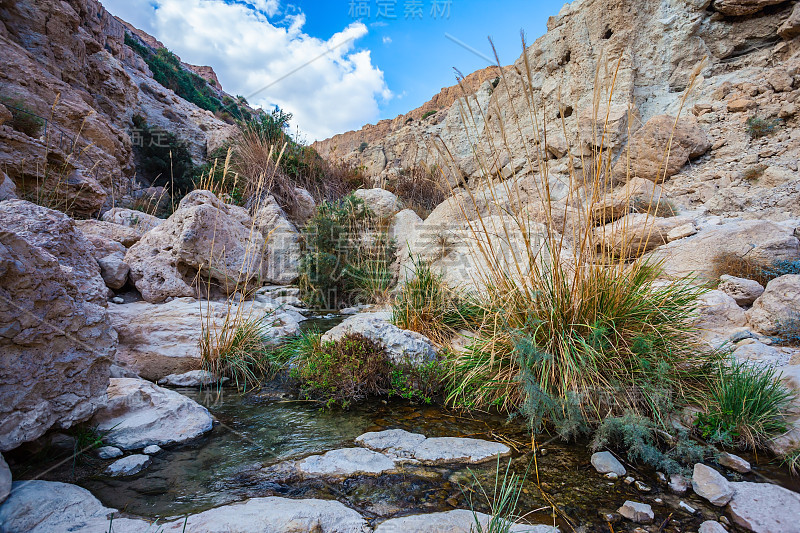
<point>128,466</point>
<point>641,513</point>
<point>642,487</point>
<point>109,452</point>
<point>117,300</point>
<point>152,449</point>
<point>688,508</point>
<point>629,480</point>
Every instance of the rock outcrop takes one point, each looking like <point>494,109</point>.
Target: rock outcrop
<point>57,347</point>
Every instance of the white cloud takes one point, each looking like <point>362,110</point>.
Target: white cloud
<point>387,40</point>
<point>335,89</point>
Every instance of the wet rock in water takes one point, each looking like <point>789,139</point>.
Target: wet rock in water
<point>437,450</point>
<point>400,344</point>
<point>47,506</point>
<point>711,485</point>
<point>397,442</point>
<point>605,462</point>
<point>5,480</point>
<point>434,450</point>
<point>193,378</point>
<point>641,513</point>
<point>152,450</point>
<point>744,291</point>
<point>128,466</point>
<point>456,521</point>
<point>140,413</point>
<point>711,526</point>
<point>346,462</point>
<point>109,452</point>
<point>765,508</point>
<point>260,515</point>
<point>734,462</point>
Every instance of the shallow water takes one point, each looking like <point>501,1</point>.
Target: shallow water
<point>241,458</point>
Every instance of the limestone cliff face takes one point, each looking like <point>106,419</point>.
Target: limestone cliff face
<point>649,50</point>
<point>67,61</point>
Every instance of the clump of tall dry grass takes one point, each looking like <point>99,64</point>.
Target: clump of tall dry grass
<point>570,333</point>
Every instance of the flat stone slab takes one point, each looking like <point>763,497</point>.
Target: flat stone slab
<point>346,462</point>
<point>456,521</point>
<point>274,514</point>
<point>193,378</point>
<point>765,508</point>
<point>434,450</point>
<point>128,466</point>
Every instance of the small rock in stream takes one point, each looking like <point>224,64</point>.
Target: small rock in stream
<point>641,513</point>
<point>605,462</point>
<point>734,462</point>
<point>128,466</point>
<point>109,452</point>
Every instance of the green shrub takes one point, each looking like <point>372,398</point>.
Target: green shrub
<point>363,146</point>
<point>641,441</point>
<point>23,119</point>
<point>348,370</point>
<point>421,383</point>
<point>792,461</point>
<point>428,114</point>
<point>746,406</point>
<point>759,127</point>
<point>426,305</point>
<point>346,258</point>
<point>501,500</point>
<point>163,159</point>
<point>789,331</point>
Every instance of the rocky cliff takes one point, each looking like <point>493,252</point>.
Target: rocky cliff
<point>648,51</point>
<point>68,63</point>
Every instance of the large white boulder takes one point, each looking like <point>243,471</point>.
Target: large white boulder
<point>711,485</point>
<point>765,508</point>
<point>140,413</point>
<point>282,244</point>
<point>56,347</point>
<point>400,344</point>
<point>136,220</point>
<point>382,203</point>
<point>777,307</point>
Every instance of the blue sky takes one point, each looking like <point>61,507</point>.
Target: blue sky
<point>382,63</point>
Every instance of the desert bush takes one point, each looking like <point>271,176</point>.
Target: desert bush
<point>760,127</point>
<point>348,370</point>
<point>642,442</point>
<point>420,188</point>
<point>425,304</point>
<point>789,331</point>
<point>23,119</point>
<point>428,114</point>
<point>746,405</point>
<point>419,383</point>
<point>163,159</point>
<point>347,256</point>
<point>363,146</point>
<point>742,266</point>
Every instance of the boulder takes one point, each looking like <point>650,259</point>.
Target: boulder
<point>719,313</point>
<point>346,462</point>
<point>47,506</point>
<point>777,307</point>
<point>605,462</point>
<point>114,270</point>
<point>455,521</point>
<point>711,485</point>
<point>641,513</point>
<point>759,240</point>
<point>56,346</point>
<point>198,243</point>
<point>125,235</point>
<point>282,241</point>
<point>140,413</point>
<point>5,480</point>
<point>607,126</point>
<point>193,378</point>
<point>109,452</point>
<point>381,203</point>
<point>681,232</point>
<point>791,27</point>
<point>8,191</point>
<point>400,344</point>
<point>711,526</point>
<point>636,234</point>
<point>55,233</point>
<point>128,466</point>
<point>765,508</point>
<point>761,354</point>
<point>305,206</point>
<point>744,291</point>
<point>740,8</point>
<point>734,462</point>
<point>136,220</point>
<point>647,150</point>
<point>156,340</point>
<point>274,514</point>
